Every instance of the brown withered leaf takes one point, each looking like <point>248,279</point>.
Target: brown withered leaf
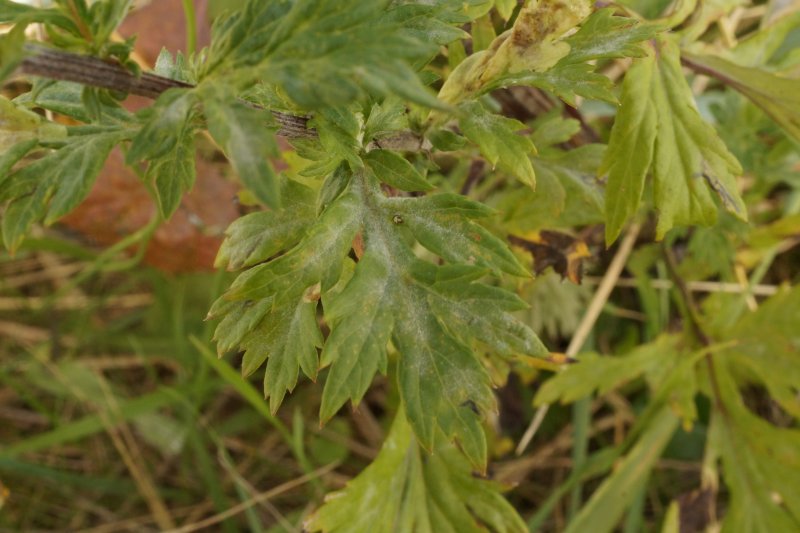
<point>561,251</point>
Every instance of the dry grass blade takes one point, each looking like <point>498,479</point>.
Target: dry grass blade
<point>587,323</point>
<point>236,509</point>
<point>35,303</point>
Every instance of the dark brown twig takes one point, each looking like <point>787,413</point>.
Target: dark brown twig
<point>95,72</point>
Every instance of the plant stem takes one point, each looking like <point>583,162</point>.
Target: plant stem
<point>692,309</point>
<point>191,26</point>
<point>94,72</point>
<point>581,423</point>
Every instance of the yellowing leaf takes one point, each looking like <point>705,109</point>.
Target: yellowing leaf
<point>630,149</point>
<point>533,43</point>
<point>18,124</point>
<point>659,130</point>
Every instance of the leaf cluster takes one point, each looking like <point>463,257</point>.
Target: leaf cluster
<point>364,260</point>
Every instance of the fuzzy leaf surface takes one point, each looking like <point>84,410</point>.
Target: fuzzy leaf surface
<point>391,295</point>
<point>441,223</point>
<point>331,52</point>
<point>362,320</point>
<point>289,336</point>
<point>256,237</point>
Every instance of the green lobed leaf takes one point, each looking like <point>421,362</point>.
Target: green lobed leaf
<point>386,118</point>
<point>765,353</point>
<point>74,175</point>
<point>566,82</point>
<point>163,124</point>
<point>12,154</point>
<point>11,50</point>
<point>174,173</point>
<point>239,318</point>
<point>689,148</point>
<point>66,98</point>
<point>18,124</point>
<point>16,12</point>
<point>330,52</point>
<point>256,237</point>
<point>667,364</point>
<point>601,374</point>
<point>603,35</point>
<point>339,130</point>
<point>9,10</point>
<point>20,215</point>
<point>444,386</point>
<point>52,186</point>
<point>405,491</point>
<point>393,169</point>
<point>631,146</point>
<point>166,140</point>
<point>535,52</point>
<point>497,138</point>
<point>761,463</point>
<point>430,23</point>
<point>361,319</point>
<point>288,337</point>
<point>441,223</point>
<point>105,17</point>
<point>659,129</point>
<point>316,259</point>
<point>476,311</point>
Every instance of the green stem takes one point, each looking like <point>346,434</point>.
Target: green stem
<point>191,26</point>
<point>581,422</point>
